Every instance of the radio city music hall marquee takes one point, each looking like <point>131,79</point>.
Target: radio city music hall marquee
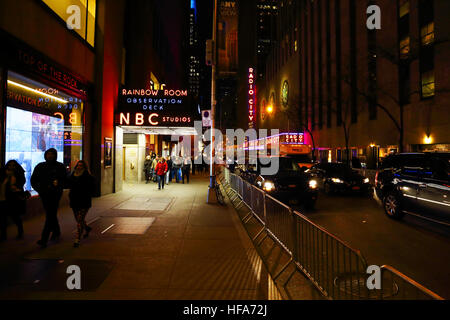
<point>251,99</point>
<point>148,107</point>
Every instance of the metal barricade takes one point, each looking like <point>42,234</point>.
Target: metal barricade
<point>397,286</point>
<point>337,270</point>
<point>279,222</point>
<point>257,204</point>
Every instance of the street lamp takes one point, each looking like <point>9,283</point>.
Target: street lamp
<point>211,197</point>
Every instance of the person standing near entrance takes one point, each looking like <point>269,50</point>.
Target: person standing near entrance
<point>186,168</point>
<point>82,186</point>
<point>169,169</point>
<point>176,167</point>
<point>49,179</point>
<point>12,197</point>
<point>148,168</point>
<point>153,168</point>
<point>161,170</point>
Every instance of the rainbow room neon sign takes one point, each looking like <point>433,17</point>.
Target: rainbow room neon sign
<point>251,98</point>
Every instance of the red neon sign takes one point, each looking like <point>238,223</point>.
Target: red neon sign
<point>153,119</point>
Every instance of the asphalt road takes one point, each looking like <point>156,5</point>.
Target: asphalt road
<point>416,247</point>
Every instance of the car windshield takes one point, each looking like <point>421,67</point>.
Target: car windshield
<point>286,165</point>
<point>337,168</point>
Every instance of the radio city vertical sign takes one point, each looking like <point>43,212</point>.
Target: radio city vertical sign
<point>251,98</point>
<point>148,107</point>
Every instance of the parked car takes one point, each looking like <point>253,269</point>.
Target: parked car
<point>415,183</point>
<point>339,177</point>
<point>290,184</point>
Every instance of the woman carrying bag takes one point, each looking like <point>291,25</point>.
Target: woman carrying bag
<point>82,186</point>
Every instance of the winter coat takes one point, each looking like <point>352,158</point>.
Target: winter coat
<point>45,173</point>
<point>161,168</point>
<point>81,190</point>
<point>169,164</point>
<point>148,166</point>
<point>18,181</point>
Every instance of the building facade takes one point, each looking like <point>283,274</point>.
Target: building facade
<point>59,86</point>
<point>360,93</point>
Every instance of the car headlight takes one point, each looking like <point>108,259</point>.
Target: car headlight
<point>337,180</point>
<point>312,184</point>
<point>268,186</point>
<point>366,180</point>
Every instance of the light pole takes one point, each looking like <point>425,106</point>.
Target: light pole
<point>212,198</point>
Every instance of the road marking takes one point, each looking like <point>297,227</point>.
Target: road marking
<point>108,228</point>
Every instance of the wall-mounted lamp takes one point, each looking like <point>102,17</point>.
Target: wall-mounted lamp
<point>269,109</point>
<point>428,140</point>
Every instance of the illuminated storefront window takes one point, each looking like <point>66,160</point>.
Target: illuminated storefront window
<point>86,18</point>
<point>39,117</point>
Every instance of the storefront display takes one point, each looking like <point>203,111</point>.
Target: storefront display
<point>39,117</point>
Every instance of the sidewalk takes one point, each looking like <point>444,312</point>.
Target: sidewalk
<point>145,244</point>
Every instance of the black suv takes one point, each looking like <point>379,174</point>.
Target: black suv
<point>290,184</point>
<point>416,183</point>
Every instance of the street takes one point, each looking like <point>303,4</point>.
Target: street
<point>416,247</point>
<point>145,244</point>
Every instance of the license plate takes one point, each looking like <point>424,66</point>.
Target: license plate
<point>355,188</point>
<point>292,186</point>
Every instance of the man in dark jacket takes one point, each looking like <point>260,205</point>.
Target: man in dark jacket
<point>49,180</point>
<point>148,168</point>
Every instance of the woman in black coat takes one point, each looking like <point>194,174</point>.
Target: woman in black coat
<point>81,185</point>
<point>12,197</point>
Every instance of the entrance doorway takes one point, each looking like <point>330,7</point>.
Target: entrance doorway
<point>133,144</point>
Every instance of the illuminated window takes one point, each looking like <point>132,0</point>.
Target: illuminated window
<point>404,48</point>
<point>403,8</point>
<point>39,117</point>
<point>427,34</point>
<point>428,84</point>
<point>87,19</point>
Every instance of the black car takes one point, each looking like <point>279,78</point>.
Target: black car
<point>339,177</point>
<point>289,184</point>
<point>415,183</point>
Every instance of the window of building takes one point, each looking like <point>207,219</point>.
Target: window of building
<point>427,34</point>
<point>39,117</point>
<point>87,18</point>
<point>428,84</point>
<point>403,8</point>
<point>405,47</point>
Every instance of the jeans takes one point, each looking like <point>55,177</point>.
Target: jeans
<point>167,176</point>
<point>161,181</point>
<point>51,204</point>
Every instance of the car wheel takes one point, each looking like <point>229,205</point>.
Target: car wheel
<point>327,188</point>
<point>392,206</point>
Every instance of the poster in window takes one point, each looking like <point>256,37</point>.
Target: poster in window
<point>108,152</point>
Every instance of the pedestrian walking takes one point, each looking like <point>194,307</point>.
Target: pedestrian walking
<point>82,186</point>
<point>161,170</point>
<point>12,197</point>
<point>153,168</point>
<point>148,168</point>
<point>169,169</point>
<point>176,165</point>
<point>186,168</point>
<point>49,179</point>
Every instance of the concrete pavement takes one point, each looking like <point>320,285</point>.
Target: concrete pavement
<point>145,244</point>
